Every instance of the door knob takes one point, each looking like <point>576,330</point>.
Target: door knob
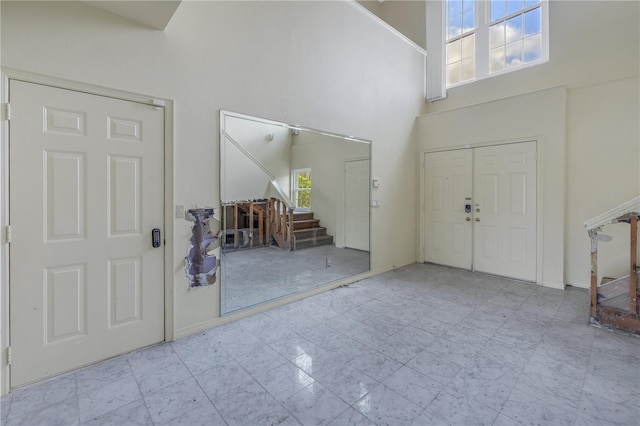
<point>477,219</point>
<point>467,218</point>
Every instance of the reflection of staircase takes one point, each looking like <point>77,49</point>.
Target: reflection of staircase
<point>259,223</point>
<point>308,232</point>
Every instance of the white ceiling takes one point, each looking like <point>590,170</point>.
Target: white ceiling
<point>151,13</point>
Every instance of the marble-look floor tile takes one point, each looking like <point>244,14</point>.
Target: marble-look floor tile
<point>293,348</point>
<point>348,383</point>
<point>530,410</point>
<point>61,413</point>
<point>318,361</point>
<point>222,378</point>
<point>161,375</point>
<point>43,394</point>
<point>606,412</point>
<point>376,365</point>
<point>5,404</point>
<point>153,357</point>
<point>176,400</point>
<point>284,381</point>
<point>133,414</point>
<point>314,405</point>
<point>475,387</point>
<point>112,395</point>
<point>249,404</point>
<point>351,417</point>
<point>437,367</point>
<point>414,386</point>
<point>97,375</point>
<point>455,407</point>
<point>383,406</point>
<point>202,415</point>
<point>201,353</point>
<point>261,359</point>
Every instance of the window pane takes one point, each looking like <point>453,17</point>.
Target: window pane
<point>514,6</point>
<point>453,52</point>
<point>532,48</point>
<point>528,3</point>
<point>496,59</point>
<point>468,21</point>
<point>455,8</point>
<point>514,29</point>
<point>469,69</point>
<point>455,27</point>
<point>303,199</point>
<point>497,9</point>
<point>469,46</point>
<point>532,22</point>
<point>468,5</point>
<point>496,35</point>
<point>453,74</point>
<point>513,54</point>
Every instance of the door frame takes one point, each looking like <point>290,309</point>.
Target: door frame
<point>344,200</point>
<point>8,74</point>
<point>540,145</point>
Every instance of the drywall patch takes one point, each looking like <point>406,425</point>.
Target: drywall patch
<point>199,265</point>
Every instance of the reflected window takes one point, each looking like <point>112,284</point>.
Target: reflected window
<point>485,38</point>
<point>301,180</point>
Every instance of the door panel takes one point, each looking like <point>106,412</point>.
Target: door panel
<point>448,182</point>
<point>357,204</point>
<point>86,189</point>
<point>505,210</point>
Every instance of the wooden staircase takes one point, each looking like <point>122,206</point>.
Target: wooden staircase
<point>270,222</point>
<point>307,232</point>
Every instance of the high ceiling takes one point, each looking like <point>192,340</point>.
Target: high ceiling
<point>151,13</point>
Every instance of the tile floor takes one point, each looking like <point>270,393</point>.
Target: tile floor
<point>420,345</point>
<point>276,273</point>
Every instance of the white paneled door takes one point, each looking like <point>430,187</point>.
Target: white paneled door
<point>357,204</point>
<point>497,234</point>
<point>86,190</point>
<point>448,190</point>
<point>504,234</point>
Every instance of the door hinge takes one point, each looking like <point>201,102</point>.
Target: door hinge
<point>9,356</point>
<point>6,112</point>
<point>8,234</point>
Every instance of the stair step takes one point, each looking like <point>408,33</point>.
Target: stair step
<point>305,224</point>
<point>303,234</point>
<point>323,240</point>
<point>302,216</point>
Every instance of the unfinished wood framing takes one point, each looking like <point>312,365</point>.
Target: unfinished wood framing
<point>627,319</point>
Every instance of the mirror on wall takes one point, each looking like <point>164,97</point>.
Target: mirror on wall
<point>295,209</point>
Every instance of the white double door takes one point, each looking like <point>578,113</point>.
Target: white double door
<point>480,209</point>
<point>86,190</point>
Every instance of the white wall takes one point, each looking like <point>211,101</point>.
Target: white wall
<point>243,179</point>
<point>406,16</point>
<point>319,64</point>
<point>537,116</point>
<point>325,156</point>
<point>603,171</point>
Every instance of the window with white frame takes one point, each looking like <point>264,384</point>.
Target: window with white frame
<point>488,37</point>
<point>302,188</point>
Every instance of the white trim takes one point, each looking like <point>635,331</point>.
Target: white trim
<point>8,74</point>
<point>360,8</point>
<point>539,140</point>
<point>344,200</point>
<point>4,248</point>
